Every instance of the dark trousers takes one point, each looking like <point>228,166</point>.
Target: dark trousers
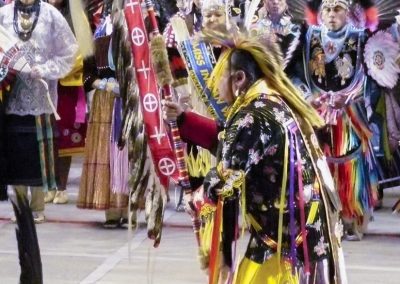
<point>64,165</point>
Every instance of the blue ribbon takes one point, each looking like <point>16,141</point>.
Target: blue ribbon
<point>200,67</point>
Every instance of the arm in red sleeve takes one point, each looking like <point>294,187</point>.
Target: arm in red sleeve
<point>199,130</point>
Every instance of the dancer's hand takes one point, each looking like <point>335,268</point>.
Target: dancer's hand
<point>171,110</point>
<point>184,101</point>
<point>188,203</point>
<point>198,197</point>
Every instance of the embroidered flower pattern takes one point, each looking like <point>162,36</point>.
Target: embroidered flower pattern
<point>253,145</point>
<point>271,150</point>
<point>271,173</point>
<point>247,121</point>
<point>254,157</point>
<point>259,104</point>
<point>265,138</point>
<point>214,181</point>
<point>317,225</point>
<point>279,115</point>
<point>320,248</point>
<point>224,150</point>
<point>339,230</point>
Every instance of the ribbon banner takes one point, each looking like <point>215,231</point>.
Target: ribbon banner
<point>159,143</point>
<point>199,64</point>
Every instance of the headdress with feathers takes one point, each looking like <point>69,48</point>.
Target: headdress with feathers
<point>335,3</point>
<point>213,4</point>
<point>267,55</point>
<point>378,11</point>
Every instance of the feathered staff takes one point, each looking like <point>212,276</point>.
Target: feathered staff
<point>164,77</point>
<point>143,177</point>
<point>28,245</point>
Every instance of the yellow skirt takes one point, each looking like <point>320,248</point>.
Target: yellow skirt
<point>94,190</point>
<point>269,272</point>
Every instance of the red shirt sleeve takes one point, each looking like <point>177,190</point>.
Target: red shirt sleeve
<point>199,130</point>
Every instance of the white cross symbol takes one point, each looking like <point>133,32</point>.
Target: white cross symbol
<point>150,102</point>
<point>132,5</point>
<point>166,166</point>
<point>137,36</point>
<point>144,69</point>
<point>158,135</point>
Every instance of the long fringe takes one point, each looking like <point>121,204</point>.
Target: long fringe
<point>119,162</point>
<point>356,177</point>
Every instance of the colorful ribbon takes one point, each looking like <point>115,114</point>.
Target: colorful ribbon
<point>200,67</point>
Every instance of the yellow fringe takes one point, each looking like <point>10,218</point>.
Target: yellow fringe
<point>313,212</point>
<point>244,207</point>
<point>283,197</point>
<point>277,80</point>
<point>200,165</point>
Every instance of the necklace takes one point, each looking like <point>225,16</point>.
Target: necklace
<point>25,19</point>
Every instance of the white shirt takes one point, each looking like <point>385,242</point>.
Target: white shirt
<point>52,47</point>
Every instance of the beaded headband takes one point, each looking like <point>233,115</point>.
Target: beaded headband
<point>213,5</point>
<point>334,3</point>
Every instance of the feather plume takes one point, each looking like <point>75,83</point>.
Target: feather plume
<point>250,13</point>
<point>381,53</point>
<point>125,75</point>
<point>156,201</point>
<point>265,52</point>
<point>180,29</point>
<point>293,46</point>
<point>304,10</point>
<point>159,56</point>
<point>83,32</point>
<point>387,9</point>
<point>28,245</point>
<point>121,50</point>
<point>130,110</point>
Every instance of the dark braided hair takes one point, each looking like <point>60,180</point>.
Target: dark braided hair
<point>242,60</point>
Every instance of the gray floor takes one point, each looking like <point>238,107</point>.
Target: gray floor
<point>76,249</point>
